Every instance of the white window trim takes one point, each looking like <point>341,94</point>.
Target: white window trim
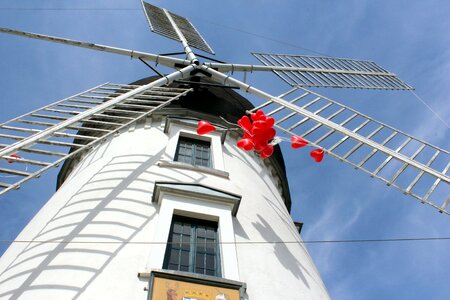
<point>200,206</point>
<point>188,128</point>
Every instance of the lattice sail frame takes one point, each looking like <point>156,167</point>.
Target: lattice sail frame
<point>174,27</point>
<point>49,135</point>
<point>317,71</point>
<point>360,144</point>
<point>400,160</point>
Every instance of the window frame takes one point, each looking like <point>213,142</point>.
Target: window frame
<point>194,227</point>
<point>176,128</point>
<point>196,147</point>
<point>200,202</point>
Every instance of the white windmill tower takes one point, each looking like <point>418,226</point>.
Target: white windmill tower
<point>290,116</point>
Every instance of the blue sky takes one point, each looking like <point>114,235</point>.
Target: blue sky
<point>409,38</point>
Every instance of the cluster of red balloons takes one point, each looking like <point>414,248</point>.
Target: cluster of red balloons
<point>258,135</point>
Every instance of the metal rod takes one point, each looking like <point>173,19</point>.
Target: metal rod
<point>60,134</point>
<point>316,126</point>
<point>215,75</point>
<point>403,145</point>
<point>435,184</point>
<point>163,60</point>
<point>93,143</point>
<point>29,161</point>
<point>414,182</point>
<point>14,172</point>
<point>293,113</point>
<point>50,105</point>
<point>49,131</point>
<point>189,53</point>
<point>326,135</point>
<point>38,151</point>
<point>247,68</point>
<point>362,162</point>
<point>357,146</point>
<point>400,171</point>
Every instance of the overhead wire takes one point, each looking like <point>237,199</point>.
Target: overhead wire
<point>431,109</point>
<point>66,9</point>
<point>202,19</point>
<point>413,239</point>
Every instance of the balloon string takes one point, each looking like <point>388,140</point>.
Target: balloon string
<point>277,138</point>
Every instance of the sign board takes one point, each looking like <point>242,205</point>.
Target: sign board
<point>171,285</point>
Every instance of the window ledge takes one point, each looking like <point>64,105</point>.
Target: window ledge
<point>180,165</point>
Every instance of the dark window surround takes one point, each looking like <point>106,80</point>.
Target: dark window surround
<point>193,151</point>
<point>193,247</point>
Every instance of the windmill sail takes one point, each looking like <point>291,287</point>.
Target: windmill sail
<point>398,159</point>
<point>174,27</point>
<point>42,139</point>
<point>415,167</point>
<point>316,71</point>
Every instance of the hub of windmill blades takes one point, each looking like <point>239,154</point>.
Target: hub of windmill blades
<point>413,166</point>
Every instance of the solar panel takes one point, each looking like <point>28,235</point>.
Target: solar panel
<point>172,26</point>
<point>316,71</point>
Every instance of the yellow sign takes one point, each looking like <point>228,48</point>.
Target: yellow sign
<point>169,289</point>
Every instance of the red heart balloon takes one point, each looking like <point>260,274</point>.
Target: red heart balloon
<point>270,121</point>
<point>13,157</point>
<point>265,134</point>
<point>317,154</point>
<point>260,124</point>
<point>245,144</point>
<point>298,142</point>
<point>245,124</point>
<point>267,152</point>
<point>260,145</point>
<point>205,127</point>
<point>259,115</point>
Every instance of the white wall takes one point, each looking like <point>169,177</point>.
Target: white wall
<point>107,199</point>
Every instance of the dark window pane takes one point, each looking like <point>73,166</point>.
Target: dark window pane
<point>184,268</point>
<point>174,255</point>
<point>190,250</point>
<point>184,258</point>
<point>210,261</point>
<point>210,233</point>
<point>186,245</point>
<point>200,245</point>
<point>201,232</point>
<point>176,238</point>
<point>200,260</point>
<point>192,151</point>
<point>187,229</point>
<point>177,228</point>
<point>210,246</point>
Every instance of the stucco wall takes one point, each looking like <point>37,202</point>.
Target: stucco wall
<point>106,205</point>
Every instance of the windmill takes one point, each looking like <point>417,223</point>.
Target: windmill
<point>381,151</point>
<point>234,71</point>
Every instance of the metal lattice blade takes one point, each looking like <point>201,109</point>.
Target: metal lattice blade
<point>42,139</point>
<point>172,26</point>
<point>315,71</point>
<point>415,167</point>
